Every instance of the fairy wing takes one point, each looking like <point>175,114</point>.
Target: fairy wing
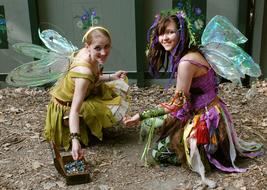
<point>230,61</point>
<point>219,46</point>
<point>38,73</point>
<point>31,50</point>
<point>56,43</point>
<point>220,29</point>
<point>52,40</point>
<point>52,63</point>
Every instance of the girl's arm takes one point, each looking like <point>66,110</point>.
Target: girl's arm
<point>80,90</point>
<point>109,77</point>
<point>106,77</point>
<point>185,73</point>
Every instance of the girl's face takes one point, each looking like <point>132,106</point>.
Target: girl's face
<point>99,48</point>
<point>170,37</point>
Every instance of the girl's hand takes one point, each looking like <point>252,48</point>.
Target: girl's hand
<point>119,75</point>
<point>169,107</point>
<point>131,121</point>
<point>77,152</point>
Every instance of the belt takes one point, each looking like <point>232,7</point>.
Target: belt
<point>63,103</point>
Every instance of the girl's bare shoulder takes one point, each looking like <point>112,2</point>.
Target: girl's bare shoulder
<point>82,62</point>
<point>195,56</point>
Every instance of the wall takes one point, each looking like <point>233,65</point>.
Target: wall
<point>263,50</point>
<point>152,7</point>
<point>228,8</point>
<point>258,31</point>
<point>117,15</point>
<point>18,29</point>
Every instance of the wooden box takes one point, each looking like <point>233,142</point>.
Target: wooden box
<point>60,162</point>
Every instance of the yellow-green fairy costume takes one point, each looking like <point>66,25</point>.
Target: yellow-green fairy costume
<point>105,104</point>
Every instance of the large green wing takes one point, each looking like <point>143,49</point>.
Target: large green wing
<point>52,61</point>
<point>38,73</point>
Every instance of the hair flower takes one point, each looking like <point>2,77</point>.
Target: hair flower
<point>181,14</point>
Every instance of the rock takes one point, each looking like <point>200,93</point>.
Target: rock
<point>101,187</point>
<point>61,184</point>
<point>238,183</point>
<point>36,165</point>
<point>49,185</point>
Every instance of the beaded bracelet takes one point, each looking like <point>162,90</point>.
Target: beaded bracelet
<point>177,101</point>
<point>75,136</point>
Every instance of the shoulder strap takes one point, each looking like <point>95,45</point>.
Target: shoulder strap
<point>80,64</point>
<point>195,63</point>
<point>77,62</point>
<point>90,77</point>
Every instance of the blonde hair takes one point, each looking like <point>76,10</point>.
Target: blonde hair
<point>93,28</point>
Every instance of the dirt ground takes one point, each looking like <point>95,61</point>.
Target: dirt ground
<point>26,160</point>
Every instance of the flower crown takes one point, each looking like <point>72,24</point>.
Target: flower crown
<point>191,15</point>
<point>87,19</point>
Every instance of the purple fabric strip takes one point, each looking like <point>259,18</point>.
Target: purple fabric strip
<point>175,54</point>
<point>229,118</point>
<point>253,154</point>
<point>212,118</point>
<point>235,138</point>
<point>154,24</point>
<point>155,40</point>
<point>218,165</point>
<point>183,114</point>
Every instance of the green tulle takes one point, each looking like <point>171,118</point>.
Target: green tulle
<point>148,127</point>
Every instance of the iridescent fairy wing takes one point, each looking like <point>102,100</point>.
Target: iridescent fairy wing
<point>220,29</point>
<point>56,43</point>
<point>219,41</point>
<point>230,61</point>
<point>38,73</point>
<point>52,63</point>
<point>31,50</point>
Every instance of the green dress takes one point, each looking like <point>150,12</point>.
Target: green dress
<point>102,103</point>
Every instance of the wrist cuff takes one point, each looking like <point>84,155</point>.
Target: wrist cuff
<point>75,136</point>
